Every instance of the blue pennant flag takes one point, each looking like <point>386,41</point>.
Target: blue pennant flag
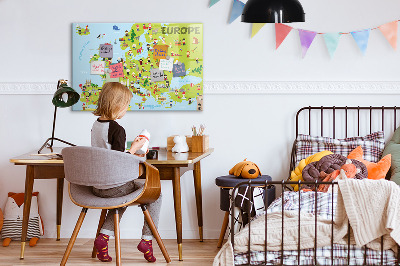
<point>213,2</point>
<point>361,38</point>
<point>332,41</point>
<point>237,9</point>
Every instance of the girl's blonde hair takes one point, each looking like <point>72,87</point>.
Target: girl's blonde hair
<point>113,98</point>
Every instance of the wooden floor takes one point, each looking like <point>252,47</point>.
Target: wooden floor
<point>50,252</point>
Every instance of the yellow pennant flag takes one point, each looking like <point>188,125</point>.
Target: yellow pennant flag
<point>256,27</point>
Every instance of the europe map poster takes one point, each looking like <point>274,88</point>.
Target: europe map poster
<point>161,63</point>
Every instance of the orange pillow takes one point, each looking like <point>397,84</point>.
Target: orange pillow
<point>375,170</point>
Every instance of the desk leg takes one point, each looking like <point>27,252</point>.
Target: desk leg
<point>199,204</point>
<point>27,206</point>
<point>176,182</point>
<point>60,190</point>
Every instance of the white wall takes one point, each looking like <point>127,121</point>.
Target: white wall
<point>36,47</point>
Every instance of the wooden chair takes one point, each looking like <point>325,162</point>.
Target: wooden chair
<point>85,167</point>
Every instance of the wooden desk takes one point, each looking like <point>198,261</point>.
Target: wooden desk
<point>171,167</point>
<point>40,167</point>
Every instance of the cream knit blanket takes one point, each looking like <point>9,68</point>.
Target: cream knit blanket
<point>373,209</point>
<point>371,206</point>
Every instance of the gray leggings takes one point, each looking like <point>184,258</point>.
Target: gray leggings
<point>154,208</point>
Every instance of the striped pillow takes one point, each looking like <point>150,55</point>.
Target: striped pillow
<point>372,145</point>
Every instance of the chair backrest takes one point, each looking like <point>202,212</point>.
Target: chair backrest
<point>92,166</point>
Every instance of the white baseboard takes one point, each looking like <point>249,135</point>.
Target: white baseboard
<point>246,87</point>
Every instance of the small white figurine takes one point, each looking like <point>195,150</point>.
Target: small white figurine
<point>180,144</point>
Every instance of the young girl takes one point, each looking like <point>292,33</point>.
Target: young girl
<point>113,103</point>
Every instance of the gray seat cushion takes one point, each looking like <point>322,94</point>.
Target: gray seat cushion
<point>83,196</point>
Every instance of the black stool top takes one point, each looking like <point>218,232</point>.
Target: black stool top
<point>230,181</point>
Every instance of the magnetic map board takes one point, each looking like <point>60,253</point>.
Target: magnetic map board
<point>161,63</point>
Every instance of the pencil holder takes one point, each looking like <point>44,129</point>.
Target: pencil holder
<point>200,143</point>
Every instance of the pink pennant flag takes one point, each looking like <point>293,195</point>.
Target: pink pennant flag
<point>281,31</point>
<point>389,30</point>
<point>306,39</point>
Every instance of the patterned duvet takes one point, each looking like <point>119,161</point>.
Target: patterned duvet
<point>306,202</point>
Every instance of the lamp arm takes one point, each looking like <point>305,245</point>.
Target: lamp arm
<point>54,126</point>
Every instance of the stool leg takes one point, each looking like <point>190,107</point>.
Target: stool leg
<point>223,229</point>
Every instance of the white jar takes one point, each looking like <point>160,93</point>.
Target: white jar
<point>144,134</point>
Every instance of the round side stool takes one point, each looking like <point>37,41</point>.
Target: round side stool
<point>228,182</point>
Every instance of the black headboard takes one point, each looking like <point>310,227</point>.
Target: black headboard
<point>344,121</point>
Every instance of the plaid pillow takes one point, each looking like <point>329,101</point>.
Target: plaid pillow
<point>372,145</point>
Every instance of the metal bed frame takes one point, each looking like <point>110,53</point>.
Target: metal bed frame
<point>284,184</point>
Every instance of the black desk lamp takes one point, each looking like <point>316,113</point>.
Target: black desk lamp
<point>273,11</point>
<point>64,97</point>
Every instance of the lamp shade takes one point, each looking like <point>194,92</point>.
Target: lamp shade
<point>273,11</point>
<point>65,96</point>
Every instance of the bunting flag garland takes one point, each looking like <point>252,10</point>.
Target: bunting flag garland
<point>361,37</point>
<point>306,39</point>
<point>389,30</point>
<point>213,2</point>
<point>237,8</point>
<point>256,27</point>
<point>332,41</point>
<point>281,31</point>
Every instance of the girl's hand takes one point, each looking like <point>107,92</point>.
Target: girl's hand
<point>142,155</point>
<point>137,144</point>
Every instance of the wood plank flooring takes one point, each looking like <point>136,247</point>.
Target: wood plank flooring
<point>50,252</point>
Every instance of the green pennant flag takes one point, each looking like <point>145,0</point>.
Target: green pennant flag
<point>332,41</point>
<point>213,2</point>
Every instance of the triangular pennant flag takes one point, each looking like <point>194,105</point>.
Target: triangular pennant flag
<point>332,41</point>
<point>213,2</point>
<point>361,37</point>
<point>389,30</point>
<point>256,27</point>
<point>237,9</point>
<point>281,31</point>
<point>306,39</point>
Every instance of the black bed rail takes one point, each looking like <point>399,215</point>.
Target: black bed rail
<point>265,185</point>
<point>346,109</point>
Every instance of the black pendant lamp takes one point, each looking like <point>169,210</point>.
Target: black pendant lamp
<point>273,11</point>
